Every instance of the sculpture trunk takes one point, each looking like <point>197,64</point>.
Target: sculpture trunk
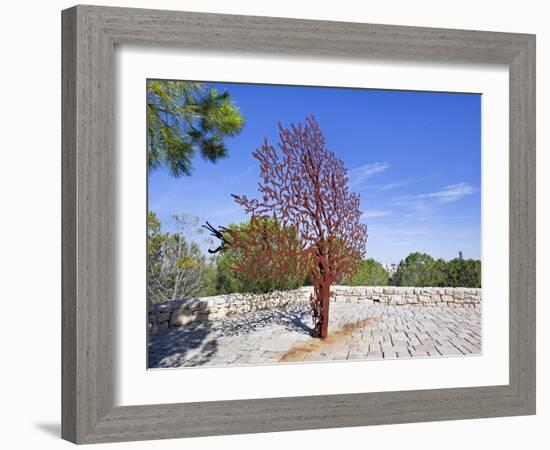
<point>325,307</point>
<point>321,308</point>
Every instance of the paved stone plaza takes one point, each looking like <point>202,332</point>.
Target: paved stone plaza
<point>356,331</point>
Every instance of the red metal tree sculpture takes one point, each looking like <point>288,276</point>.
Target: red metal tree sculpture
<point>304,192</point>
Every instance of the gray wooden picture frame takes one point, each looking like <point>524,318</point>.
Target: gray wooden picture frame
<point>90,34</point>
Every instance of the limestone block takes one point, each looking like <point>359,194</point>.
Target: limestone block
<point>163,316</point>
<point>181,318</point>
<point>397,300</point>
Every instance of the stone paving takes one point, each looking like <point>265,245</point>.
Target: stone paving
<point>356,331</point>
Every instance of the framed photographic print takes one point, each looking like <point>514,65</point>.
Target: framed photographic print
<point>278,224</point>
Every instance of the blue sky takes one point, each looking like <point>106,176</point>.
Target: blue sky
<point>414,157</point>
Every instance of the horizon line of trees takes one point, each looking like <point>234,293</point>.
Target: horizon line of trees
<point>421,270</point>
<point>178,269</point>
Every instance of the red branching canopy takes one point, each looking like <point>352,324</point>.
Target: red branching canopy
<point>304,186</point>
<point>267,250</point>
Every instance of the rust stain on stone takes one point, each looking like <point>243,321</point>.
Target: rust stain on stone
<point>337,338</point>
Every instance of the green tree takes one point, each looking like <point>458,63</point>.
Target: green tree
<point>154,236</point>
<point>209,277</point>
<point>184,118</point>
<point>175,265</point>
<point>438,273</point>
<point>416,270</point>
<point>369,273</point>
<point>226,280</point>
<point>420,269</point>
<point>463,272</point>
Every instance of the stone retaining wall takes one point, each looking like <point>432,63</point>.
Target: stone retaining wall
<point>396,295</point>
<point>179,313</point>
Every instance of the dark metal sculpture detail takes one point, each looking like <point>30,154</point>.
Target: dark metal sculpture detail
<point>220,234</point>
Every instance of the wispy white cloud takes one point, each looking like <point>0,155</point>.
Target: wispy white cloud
<point>392,185</point>
<point>375,213</point>
<point>383,187</point>
<point>358,175</point>
<point>448,194</point>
